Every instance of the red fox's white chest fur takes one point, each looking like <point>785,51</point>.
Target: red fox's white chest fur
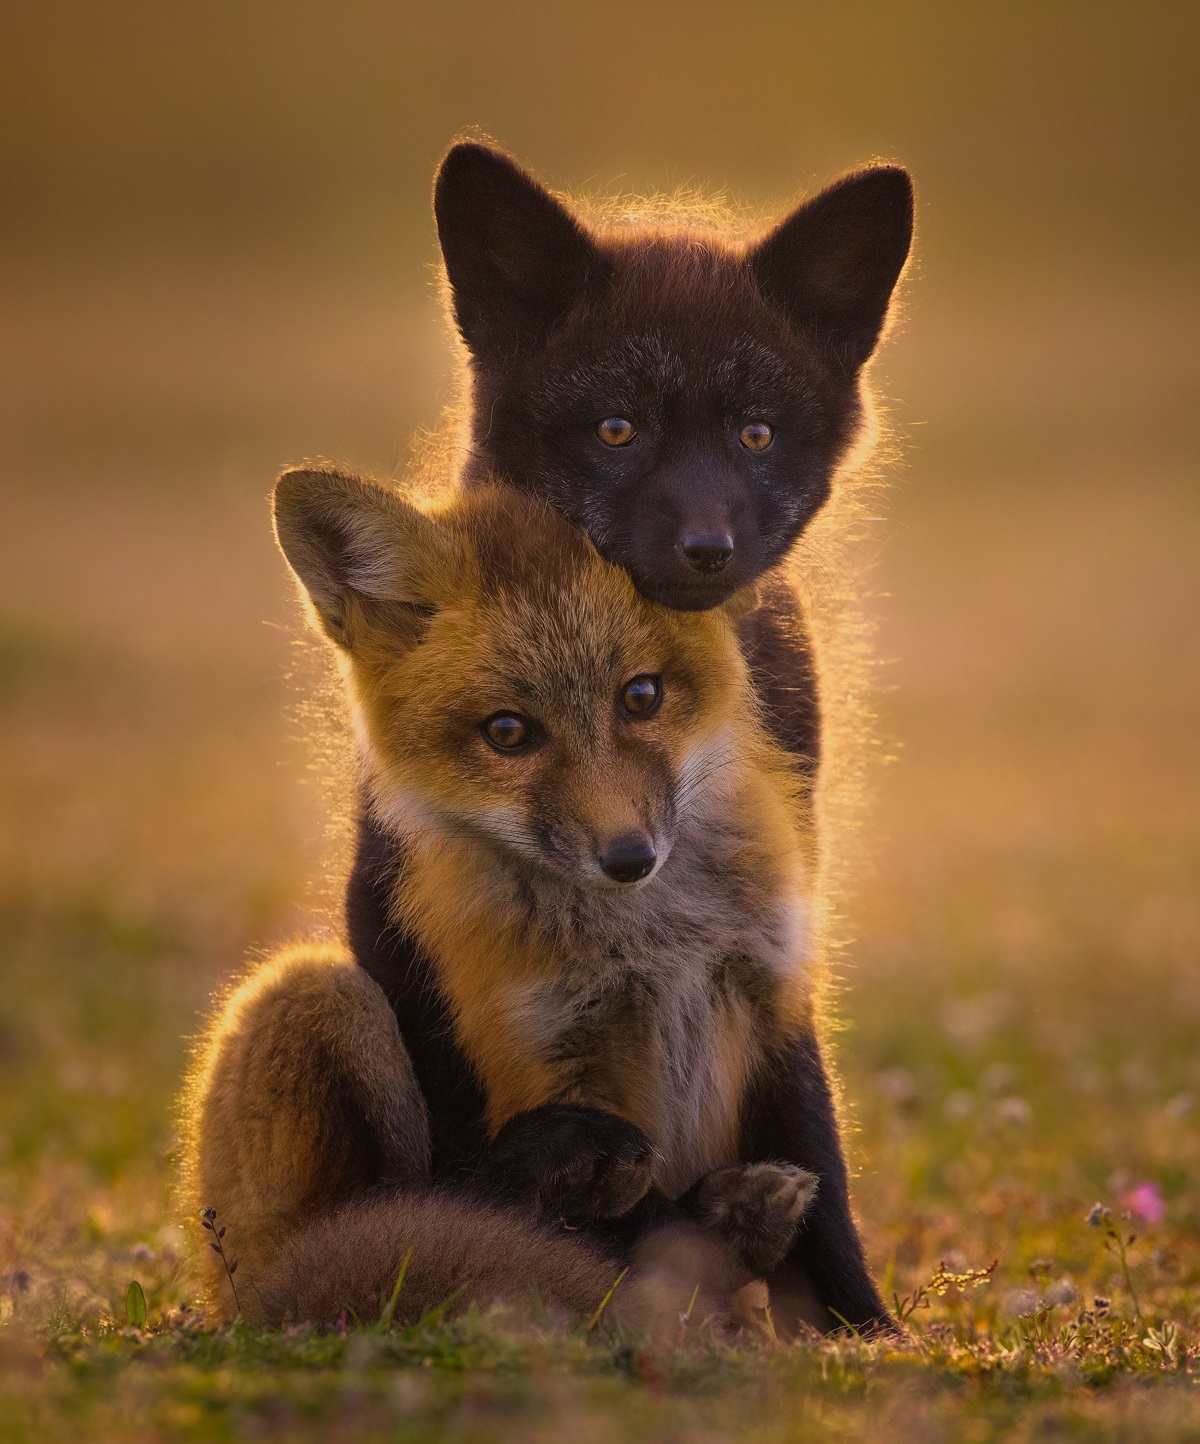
<point>607,860</point>
<point>656,1005</point>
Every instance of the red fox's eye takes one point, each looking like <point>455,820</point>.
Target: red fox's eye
<point>506,731</point>
<point>756,435</point>
<point>641,696</point>
<point>616,431</point>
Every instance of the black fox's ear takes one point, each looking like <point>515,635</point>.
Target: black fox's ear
<point>361,553</point>
<point>517,260</point>
<point>833,263</point>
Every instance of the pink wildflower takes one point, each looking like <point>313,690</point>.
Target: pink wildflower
<point>1147,1203</point>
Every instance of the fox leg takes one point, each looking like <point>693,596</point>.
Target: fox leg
<point>778,650</point>
<point>754,1208</point>
<point>567,1162</point>
<point>791,1118</point>
<point>302,1099</point>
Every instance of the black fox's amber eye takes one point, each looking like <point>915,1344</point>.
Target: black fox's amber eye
<point>756,436</point>
<point>641,696</point>
<point>616,431</point>
<point>506,731</point>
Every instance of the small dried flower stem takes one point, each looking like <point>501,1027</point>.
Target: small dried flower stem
<point>208,1220</point>
<point>943,1280</point>
<point>1118,1245</point>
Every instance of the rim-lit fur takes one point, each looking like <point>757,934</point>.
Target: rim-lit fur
<point>302,1095</point>
<point>656,1001</point>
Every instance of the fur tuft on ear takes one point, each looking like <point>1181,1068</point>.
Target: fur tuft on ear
<point>832,265</point>
<point>516,259</point>
<point>360,551</point>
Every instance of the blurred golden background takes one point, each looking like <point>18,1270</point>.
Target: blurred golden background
<point>218,257</point>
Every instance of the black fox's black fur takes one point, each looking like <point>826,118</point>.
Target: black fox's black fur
<point>689,340</point>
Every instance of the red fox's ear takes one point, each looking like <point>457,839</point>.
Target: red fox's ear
<point>832,264</point>
<point>352,543</point>
<point>517,260</point>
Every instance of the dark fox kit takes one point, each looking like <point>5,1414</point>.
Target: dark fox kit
<point>685,403</point>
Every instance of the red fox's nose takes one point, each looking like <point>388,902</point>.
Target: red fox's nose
<point>628,858</point>
<point>707,552</point>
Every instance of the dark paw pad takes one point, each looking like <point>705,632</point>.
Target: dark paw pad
<point>756,1208</point>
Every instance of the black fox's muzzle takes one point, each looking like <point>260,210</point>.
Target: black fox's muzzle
<point>629,858</point>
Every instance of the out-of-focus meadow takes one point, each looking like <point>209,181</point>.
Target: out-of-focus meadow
<point>217,258</point>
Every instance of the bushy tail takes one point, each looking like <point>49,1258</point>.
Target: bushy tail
<point>346,1264</point>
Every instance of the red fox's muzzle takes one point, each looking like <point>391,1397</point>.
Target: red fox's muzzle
<point>603,818</point>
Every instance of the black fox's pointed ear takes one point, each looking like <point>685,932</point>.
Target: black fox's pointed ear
<point>362,553</point>
<point>517,260</point>
<point>833,263</point>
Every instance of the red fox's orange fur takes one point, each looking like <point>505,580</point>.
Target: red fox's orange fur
<point>656,1000</point>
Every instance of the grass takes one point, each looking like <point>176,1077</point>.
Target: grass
<point>1018,982</point>
<point>475,1377</point>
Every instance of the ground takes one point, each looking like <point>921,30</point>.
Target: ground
<point>1019,921</point>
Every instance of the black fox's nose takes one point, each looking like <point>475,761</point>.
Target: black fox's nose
<point>707,552</point>
<point>628,858</point>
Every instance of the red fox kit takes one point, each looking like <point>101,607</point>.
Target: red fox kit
<point>607,875</point>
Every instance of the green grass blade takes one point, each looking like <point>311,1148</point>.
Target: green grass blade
<point>135,1305</point>
<point>605,1301</point>
<point>389,1309</point>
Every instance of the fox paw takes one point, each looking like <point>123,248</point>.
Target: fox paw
<point>572,1163</point>
<point>755,1207</point>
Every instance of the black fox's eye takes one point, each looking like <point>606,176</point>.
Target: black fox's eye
<point>616,431</point>
<point>506,731</point>
<point>640,696</point>
<point>756,435</point>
